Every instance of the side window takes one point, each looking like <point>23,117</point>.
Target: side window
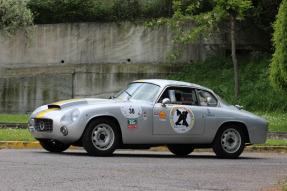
<point>181,96</point>
<point>206,99</point>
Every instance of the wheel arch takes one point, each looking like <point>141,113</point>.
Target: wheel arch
<point>239,124</point>
<point>105,117</point>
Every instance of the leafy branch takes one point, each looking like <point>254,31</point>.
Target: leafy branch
<point>15,17</point>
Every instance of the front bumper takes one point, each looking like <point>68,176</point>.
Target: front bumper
<point>43,128</point>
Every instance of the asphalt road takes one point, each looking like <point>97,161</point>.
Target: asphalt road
<point>36,169</point>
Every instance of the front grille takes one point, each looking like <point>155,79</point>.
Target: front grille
<point>44,125</point>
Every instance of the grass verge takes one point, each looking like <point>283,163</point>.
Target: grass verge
<point>6,118</point>
<point>277,120</point>
<point>273,142</point>
<point>16,135</point>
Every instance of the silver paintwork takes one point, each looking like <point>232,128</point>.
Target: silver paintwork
<point>151,128</point>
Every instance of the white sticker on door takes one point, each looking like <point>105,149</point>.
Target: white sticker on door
<point>181,119</point>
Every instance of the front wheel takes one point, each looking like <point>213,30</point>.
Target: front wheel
<point>180,150</point>
<point>101,137</point>
<point>229,142</point>
<point>53,146</point>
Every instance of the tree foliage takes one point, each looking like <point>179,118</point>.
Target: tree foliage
<point>69,11</point>
<point>278,67</point>
<point>189,26</point>
<point>15,16</point>
<point>205,21</point>
<point>263,14</point>
<point>62,11</point>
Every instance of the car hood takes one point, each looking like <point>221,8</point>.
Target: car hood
<point>79,101</point>
<point>74,103</point>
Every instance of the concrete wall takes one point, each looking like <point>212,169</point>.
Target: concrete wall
<point>91,60</point>
<point>24,89</point>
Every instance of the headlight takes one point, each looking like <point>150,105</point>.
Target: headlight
<point>31,125</point>
<point>31,122</point>
<point>70,117</point>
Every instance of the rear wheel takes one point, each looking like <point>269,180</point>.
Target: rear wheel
<point>53,146</point>
<point>101,137</point>
<point>229,142</point>
<point>180,150</point>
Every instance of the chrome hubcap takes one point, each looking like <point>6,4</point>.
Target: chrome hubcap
<point>103,137</point>
<point>231,140</point>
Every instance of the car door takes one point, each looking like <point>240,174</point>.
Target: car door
<point>183,116</point>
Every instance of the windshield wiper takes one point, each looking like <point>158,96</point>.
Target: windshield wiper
<point>128,94</point>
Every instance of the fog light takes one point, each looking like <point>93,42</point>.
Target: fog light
<point>64,130</point>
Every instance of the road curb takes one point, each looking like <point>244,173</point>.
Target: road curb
<point>19,144</point>
<point>36,144</point>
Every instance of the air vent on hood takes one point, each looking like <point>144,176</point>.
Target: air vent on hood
<point>54,106</point>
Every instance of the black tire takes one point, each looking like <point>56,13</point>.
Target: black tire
<point>229,142</point>
<point>180,150</point>
<point>101,137</point>
<point>53,146</point>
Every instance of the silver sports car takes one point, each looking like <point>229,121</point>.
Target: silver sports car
<point>180,115</point>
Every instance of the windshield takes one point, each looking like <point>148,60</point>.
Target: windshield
<point>139,91</point>
<point>223,101</point>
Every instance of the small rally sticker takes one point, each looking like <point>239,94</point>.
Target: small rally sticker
<point>131,111</point>
<point>145,116</point>
<point>132,124</point>
<point>181,119</point>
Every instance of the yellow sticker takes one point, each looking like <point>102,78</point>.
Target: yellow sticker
<point>162,115</point>
<point>44,112</point>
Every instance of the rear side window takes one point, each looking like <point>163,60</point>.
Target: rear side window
<point>206,98</point>
<point>180,95</point>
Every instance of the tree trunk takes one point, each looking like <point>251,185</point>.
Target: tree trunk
<point>233,54</point>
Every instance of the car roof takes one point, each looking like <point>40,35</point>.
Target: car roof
<point>164,83</point>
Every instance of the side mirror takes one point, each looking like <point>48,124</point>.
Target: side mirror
<point>209,99</point>
<point>165,101</point>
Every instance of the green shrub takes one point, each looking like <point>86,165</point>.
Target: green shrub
<point>278,70</point>
<point>256,93</point>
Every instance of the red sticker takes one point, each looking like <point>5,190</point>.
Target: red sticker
<point>132,124</point>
